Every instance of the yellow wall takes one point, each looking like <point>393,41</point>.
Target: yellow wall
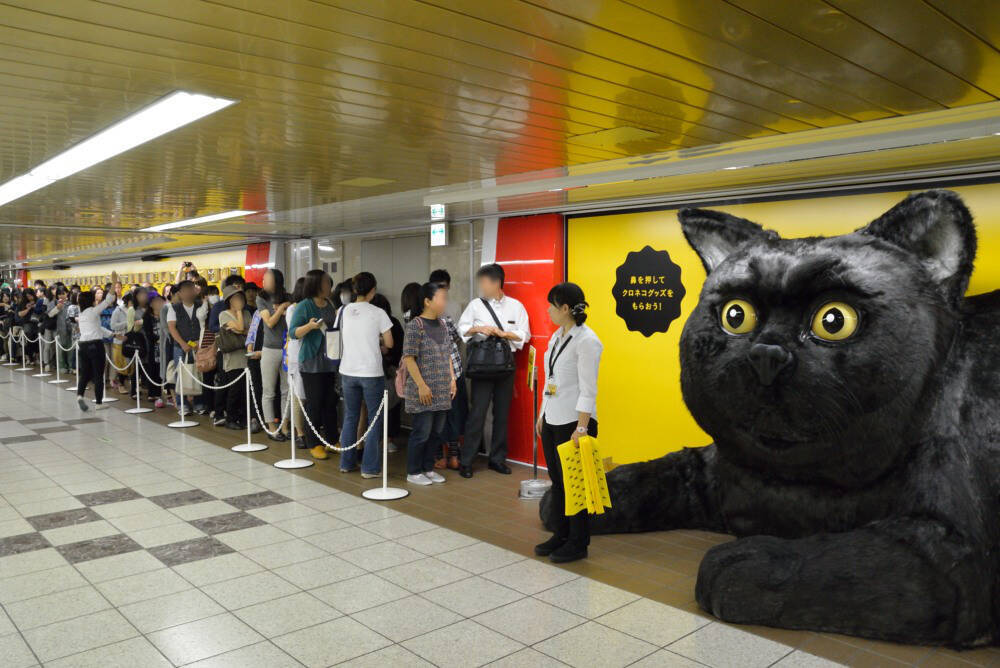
<point>137,269</point>
<point>641,411</point>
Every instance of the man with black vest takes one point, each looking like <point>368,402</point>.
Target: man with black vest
<point>182,323</point>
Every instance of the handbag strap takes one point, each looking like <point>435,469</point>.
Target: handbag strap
<point>492,312</point>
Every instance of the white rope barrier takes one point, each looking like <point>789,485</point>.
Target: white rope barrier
<point>119,369</point>
<point>214,387</point>
<point>337,448</point>
<point>382,493</point>
<point>260,418</point>
<point>148,377</point>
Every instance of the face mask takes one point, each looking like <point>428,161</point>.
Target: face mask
<point>346,297</point>
<point>213,299</point>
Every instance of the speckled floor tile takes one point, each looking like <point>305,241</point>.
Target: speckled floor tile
<point>196,549</point>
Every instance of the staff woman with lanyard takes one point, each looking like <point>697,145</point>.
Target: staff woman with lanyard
<point>569,411</point>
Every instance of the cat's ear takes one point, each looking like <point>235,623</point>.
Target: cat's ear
<point>937,228</point>
<point>714,235</point>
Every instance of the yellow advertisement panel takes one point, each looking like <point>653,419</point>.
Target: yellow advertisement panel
<point>640,409</point>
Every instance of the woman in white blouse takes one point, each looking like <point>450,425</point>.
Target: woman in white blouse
<point>569,410</point>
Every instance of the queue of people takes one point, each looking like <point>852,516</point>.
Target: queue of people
<point>332,345</point>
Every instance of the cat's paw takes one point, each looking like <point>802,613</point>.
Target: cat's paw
<point>746,581</point>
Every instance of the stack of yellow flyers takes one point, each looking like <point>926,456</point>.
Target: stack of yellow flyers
<point>583,477</point>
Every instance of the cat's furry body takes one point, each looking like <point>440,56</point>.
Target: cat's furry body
<point>862,478</point>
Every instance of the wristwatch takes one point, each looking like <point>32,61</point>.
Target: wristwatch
<point>581,430</point>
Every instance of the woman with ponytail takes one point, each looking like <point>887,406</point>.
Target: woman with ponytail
<point>569,410</point>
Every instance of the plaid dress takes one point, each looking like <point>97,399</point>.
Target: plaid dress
<point>434,361</point>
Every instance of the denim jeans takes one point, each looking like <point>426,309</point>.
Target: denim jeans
<point>424,433</point>
<point>355,389</point>
<point>459,413</point>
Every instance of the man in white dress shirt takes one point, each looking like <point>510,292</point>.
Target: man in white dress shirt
<point>478,323</point>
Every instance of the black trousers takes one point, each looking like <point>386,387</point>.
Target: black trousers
<point>219,396</point>
<point>499,392</point>
<point>321,407</point>
<point>575,528</point>
<point>236,398</point>
<point>91,368</point>
<point>150,366</point>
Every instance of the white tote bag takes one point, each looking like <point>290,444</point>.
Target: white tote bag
<point>334,345</point>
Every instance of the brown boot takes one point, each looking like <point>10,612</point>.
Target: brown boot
<point>453,452</point>
<point>441,462</point>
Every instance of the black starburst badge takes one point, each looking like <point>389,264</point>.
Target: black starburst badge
<point>648,291</point>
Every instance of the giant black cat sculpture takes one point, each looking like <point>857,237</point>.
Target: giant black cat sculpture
<point>853,393</point>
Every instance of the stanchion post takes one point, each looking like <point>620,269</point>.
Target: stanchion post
<point>249,446</point>
<point>292,463</point>
<point>41,358</point>
<point>76,355</point>
<point>183,422</point>
<point>534,489</point>
<point>24,356</point>
<point>58,380</point>
<point>385,493</point>
<point>135,369</point>
<point>10,349</point>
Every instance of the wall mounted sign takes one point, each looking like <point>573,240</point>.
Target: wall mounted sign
<point>439,234</point>
<point>648,291</point>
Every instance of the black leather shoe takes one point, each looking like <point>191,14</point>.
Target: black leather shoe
<point>567,553</point>
<point>234,425</point>
<point>465,471</point>
<point>278,437</point>
<point>500,468</point>
<point>549,546</point>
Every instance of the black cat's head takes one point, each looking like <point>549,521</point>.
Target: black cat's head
<point>810,358</point>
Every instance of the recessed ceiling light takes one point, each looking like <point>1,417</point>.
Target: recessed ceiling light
<point>164,115</point>
<point>196,221</point>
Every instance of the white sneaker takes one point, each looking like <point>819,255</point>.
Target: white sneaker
<point>101,407</point>
<point>418,479</point>
<point>393,447</point>
<point>434,476</point>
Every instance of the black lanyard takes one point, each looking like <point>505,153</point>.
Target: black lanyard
<point>553,358</point>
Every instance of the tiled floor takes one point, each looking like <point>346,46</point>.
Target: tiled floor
<point>126,543</point>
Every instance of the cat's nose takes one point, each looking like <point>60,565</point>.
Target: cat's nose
<point>768,360</point>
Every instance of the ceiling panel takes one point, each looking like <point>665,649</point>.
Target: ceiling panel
<point>349,111</point>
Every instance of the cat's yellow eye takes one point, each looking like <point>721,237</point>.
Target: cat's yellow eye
<point>739,317</point>
<point>835,321</point>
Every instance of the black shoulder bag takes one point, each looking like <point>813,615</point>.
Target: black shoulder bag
<point>492,357</point>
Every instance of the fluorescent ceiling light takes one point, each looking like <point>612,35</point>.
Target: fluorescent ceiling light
<point>164,115</point>
<point>196,221</point>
